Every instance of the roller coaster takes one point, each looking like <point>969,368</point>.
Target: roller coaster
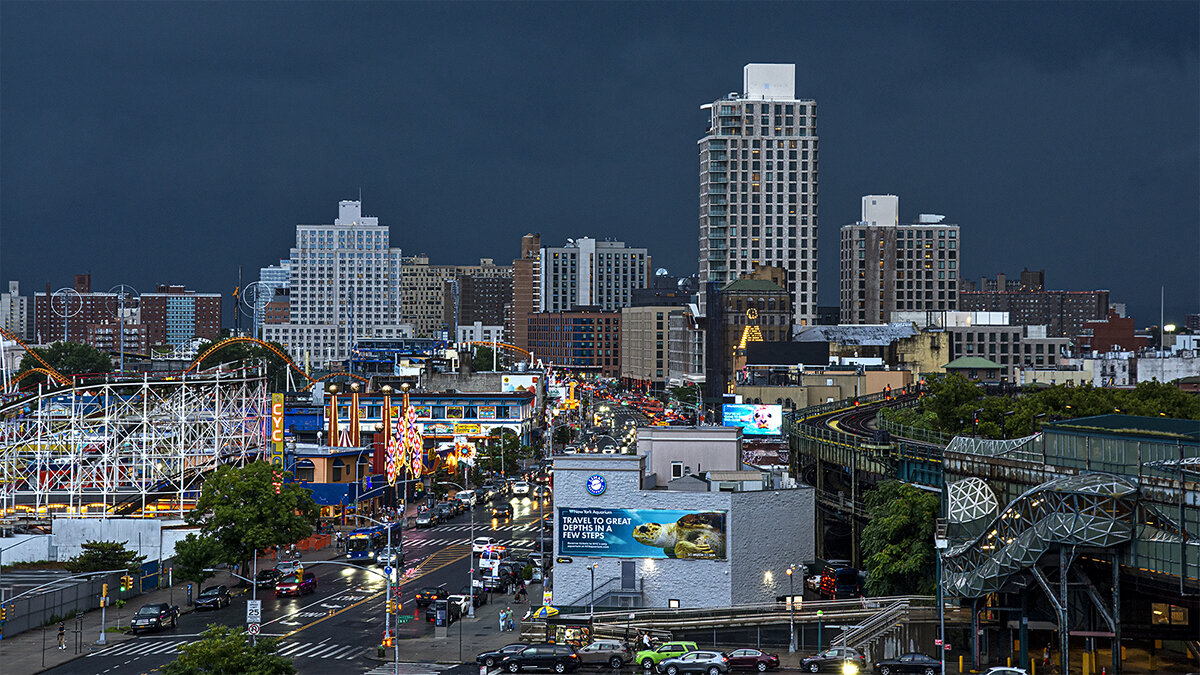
<point>127,445</point>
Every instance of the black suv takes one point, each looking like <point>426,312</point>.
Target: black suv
<point>558,658</point>
<point>491,658</point>
<point>214,597</point>
<point>158,615</point>
<point>267,578</point>
<point>428,594</point>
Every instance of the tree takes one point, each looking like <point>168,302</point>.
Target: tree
<point>247,354</point>
<point>101,556</point>
<point>897,542</point>
<point>225,650</point>
<point>482,361</point>
<point>688,394</point>
<point>69,358</point>
<point>248,508</point>
<point>194,554</point>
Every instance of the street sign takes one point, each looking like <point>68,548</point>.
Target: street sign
<point>388,570</point>
<point>947,646</point>
<point>253,611</point>
<point>938,642</point>
<point>404,618</point>
<point>254,629</point>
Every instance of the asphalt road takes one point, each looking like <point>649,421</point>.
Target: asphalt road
<point>337,628</point>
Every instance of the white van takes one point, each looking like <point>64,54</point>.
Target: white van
<point>467,496</point>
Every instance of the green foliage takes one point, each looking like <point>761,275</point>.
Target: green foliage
<point>952,404</point>
<point>688,393</point>
<point>482,361</point>
<point>69,358</point>
<point>193,554</point>
<point>226,650</point>
<point>240,510</point>
<point>514,452</point>
<point>99,556</point>
<point>564,434</point>
<point>250,354</point>
<point>897,542</point>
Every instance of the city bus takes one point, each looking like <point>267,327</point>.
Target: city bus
<point>370,543</point>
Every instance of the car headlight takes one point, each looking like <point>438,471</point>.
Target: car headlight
<point>849,668</point>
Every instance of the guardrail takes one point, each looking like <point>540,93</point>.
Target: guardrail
<point>913,433</point>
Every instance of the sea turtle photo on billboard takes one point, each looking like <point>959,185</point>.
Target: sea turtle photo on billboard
<point>694,536</point>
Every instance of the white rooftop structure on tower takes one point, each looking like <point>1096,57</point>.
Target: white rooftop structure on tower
<point>769,81</point>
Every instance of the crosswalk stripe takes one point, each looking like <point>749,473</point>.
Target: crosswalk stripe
<point>170,647</point>
<point>327,652</point>
<point>289,648</point>
<point>350,652</point>
<point>308,650</point>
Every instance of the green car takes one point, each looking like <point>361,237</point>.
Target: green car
<point>648,658</point>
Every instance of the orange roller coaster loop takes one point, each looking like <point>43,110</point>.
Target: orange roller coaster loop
<point>502,345</point>
<point>28,350</point>
<point>328,376</point>
<point>22,375</point>
<point>234,340</point>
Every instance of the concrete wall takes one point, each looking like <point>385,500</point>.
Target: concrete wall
<point>767,531</point>
<point>26,548</point>
<point>141,535</point>
<point>694,583</point>
<point>700,448</point>
<point>1184,364</point>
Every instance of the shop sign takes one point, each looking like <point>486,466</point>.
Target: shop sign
<point>466,429</point>
<point>642,533</point>
<point>454,412</point>
<point>277,430</point>
<point>487,412</point>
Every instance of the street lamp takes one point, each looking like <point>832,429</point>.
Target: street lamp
<point>791,610</point>
<point>592,595</point>
<point>471,567</point>
<point>387,605</point>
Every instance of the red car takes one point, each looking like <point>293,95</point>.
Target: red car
<point>752,659</point>
<point>290,586</point>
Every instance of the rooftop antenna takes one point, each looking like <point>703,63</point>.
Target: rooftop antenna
<point>360,194</point>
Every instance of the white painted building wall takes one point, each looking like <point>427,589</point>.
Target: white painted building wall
<point>152,538</point>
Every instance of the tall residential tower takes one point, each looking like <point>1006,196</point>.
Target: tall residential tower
<point>758,185</point>
<point>345,284</point>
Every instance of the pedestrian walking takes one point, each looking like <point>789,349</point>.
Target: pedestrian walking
<point>62,636</point>
<point>508,618</point>
<point>502,621</point>
<point>1046,657</point>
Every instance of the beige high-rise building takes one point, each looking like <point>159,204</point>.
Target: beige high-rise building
<point>758,185</point>
<point>422,291</point>
<point>888,267</point>
<point>645,344</point>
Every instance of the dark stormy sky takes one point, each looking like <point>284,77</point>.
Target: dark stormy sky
<point>173,142</point>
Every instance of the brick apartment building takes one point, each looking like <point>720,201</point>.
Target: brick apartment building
<point>176,315</point>
<point>1028,303</point>
<point>582,340</point>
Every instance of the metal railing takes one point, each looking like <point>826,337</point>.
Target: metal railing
<point>886,621</point>
<point>913,433</point>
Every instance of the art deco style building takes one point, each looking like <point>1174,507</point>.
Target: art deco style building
<point>345,284</point>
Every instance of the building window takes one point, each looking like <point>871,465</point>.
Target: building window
<point>676,470</point>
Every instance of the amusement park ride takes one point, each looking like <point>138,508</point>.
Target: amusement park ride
<point>130,444</point>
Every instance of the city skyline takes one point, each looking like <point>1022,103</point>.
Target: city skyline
<point>490,121</point>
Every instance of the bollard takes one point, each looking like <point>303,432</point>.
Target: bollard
<point>1008,662</point>
<point>1086,671</point>
<point>1032,666</point>
<point>960,663</point>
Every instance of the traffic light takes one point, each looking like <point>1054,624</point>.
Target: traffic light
<point>391,607</point>
<point>104,590</point>
<point>3,613</point>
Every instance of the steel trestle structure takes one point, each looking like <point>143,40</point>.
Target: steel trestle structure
<point>127,446</point>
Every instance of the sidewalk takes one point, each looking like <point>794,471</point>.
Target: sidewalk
<point>36,650</point>
<point>476,635</point>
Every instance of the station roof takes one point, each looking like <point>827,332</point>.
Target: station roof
<point>1133,425</point>
<point>972,362</point>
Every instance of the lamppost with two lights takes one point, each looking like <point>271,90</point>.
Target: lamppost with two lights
<point>791,609</point>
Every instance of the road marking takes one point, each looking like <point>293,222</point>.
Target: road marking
<point>422,573</point>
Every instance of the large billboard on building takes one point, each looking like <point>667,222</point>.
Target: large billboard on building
<point>755,420</point>
<point>511,383</point>
<point>642,533</point>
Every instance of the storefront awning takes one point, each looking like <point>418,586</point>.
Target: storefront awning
<point>330,494</point>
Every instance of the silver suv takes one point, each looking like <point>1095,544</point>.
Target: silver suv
<point>710,663</point>
<point>612,653</point>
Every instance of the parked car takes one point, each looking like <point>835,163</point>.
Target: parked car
<point>612,653</point>
<point>214,597</point>
<point>493,657</point>
<point>430,593</point>
<point>1005,670</point>
<point>445,511</point>
<point>478,595</point>
<point>521,489</point>
<point>752,659</point>
<point>462,600</point>
<point>711,663</point>
<point>453,611</point>
<point>425,519</point>
<point>157,615</point>
<point>909,663</point>
<point>289,585</point>
<point>558,658</point>
<point>482,544</point>
<point>502,510</point>
<point>832,660</point>
<point>267,578</point>
<point>648,658</point>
